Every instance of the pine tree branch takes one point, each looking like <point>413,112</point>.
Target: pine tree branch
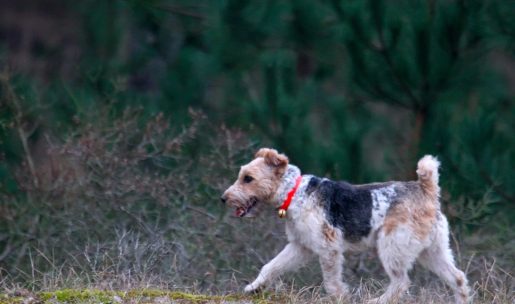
<point>490,182</point>
<point>496,187</point>
<point>377,90</point>
<point>384,52</point>
<point>180,11</point>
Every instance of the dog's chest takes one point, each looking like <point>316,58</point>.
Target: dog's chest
<point>305,225</point>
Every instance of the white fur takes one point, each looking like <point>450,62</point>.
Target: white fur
<point>381,199</point>
<point>427,168</point>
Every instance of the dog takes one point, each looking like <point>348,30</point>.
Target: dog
<point>324,218</point>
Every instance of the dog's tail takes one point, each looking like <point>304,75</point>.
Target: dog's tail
<point>427,171</point>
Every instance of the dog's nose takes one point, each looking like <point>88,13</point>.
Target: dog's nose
<point>223,199</point>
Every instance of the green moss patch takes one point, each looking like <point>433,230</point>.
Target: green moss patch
<point>149,296</point>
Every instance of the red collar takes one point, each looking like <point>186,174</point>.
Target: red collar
<point>289,197</point>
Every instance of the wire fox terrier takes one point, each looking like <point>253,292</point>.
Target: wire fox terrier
<point>326,218</point>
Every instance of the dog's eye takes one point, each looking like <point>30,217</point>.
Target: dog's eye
<point>247,179</point>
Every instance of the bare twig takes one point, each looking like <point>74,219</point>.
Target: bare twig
<point>12,100</point>
<point>8,248</point>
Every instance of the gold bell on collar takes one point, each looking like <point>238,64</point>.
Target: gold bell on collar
<point>281,213</point>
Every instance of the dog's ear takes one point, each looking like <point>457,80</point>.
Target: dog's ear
<point>272,157</point>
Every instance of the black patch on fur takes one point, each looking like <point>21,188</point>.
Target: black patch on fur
<point>346,207</point>
<point>313,184</point>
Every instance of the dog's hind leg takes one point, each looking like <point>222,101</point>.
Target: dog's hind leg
<point>438,259</point>
<point>290,258</point>
<point>442,265</point>
<point>398,252</point>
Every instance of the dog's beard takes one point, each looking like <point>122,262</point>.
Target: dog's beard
<point>249,209</point>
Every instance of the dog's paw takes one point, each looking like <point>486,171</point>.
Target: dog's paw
<point>342,298</point>
<point>252,289</point>
<point>378,300</point>
<point>340,291</point>
<point>372,301</point>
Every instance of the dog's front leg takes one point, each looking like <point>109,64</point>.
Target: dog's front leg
<point>331,263</point>
<point>291,257</point>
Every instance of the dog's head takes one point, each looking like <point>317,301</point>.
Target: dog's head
<point>257,182</point>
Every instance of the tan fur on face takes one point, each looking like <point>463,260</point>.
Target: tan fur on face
<point>273,159</point>
<point>266,171</point>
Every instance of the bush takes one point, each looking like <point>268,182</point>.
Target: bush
<point>130,200</point>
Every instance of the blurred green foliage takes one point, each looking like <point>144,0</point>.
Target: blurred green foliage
<point>355,90</point>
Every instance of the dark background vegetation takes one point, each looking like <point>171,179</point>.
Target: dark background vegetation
<point>122,121</point>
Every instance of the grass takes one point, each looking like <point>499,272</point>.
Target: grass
<point>489,284</point>
<point>303,295</point>
<point>490,276</point>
